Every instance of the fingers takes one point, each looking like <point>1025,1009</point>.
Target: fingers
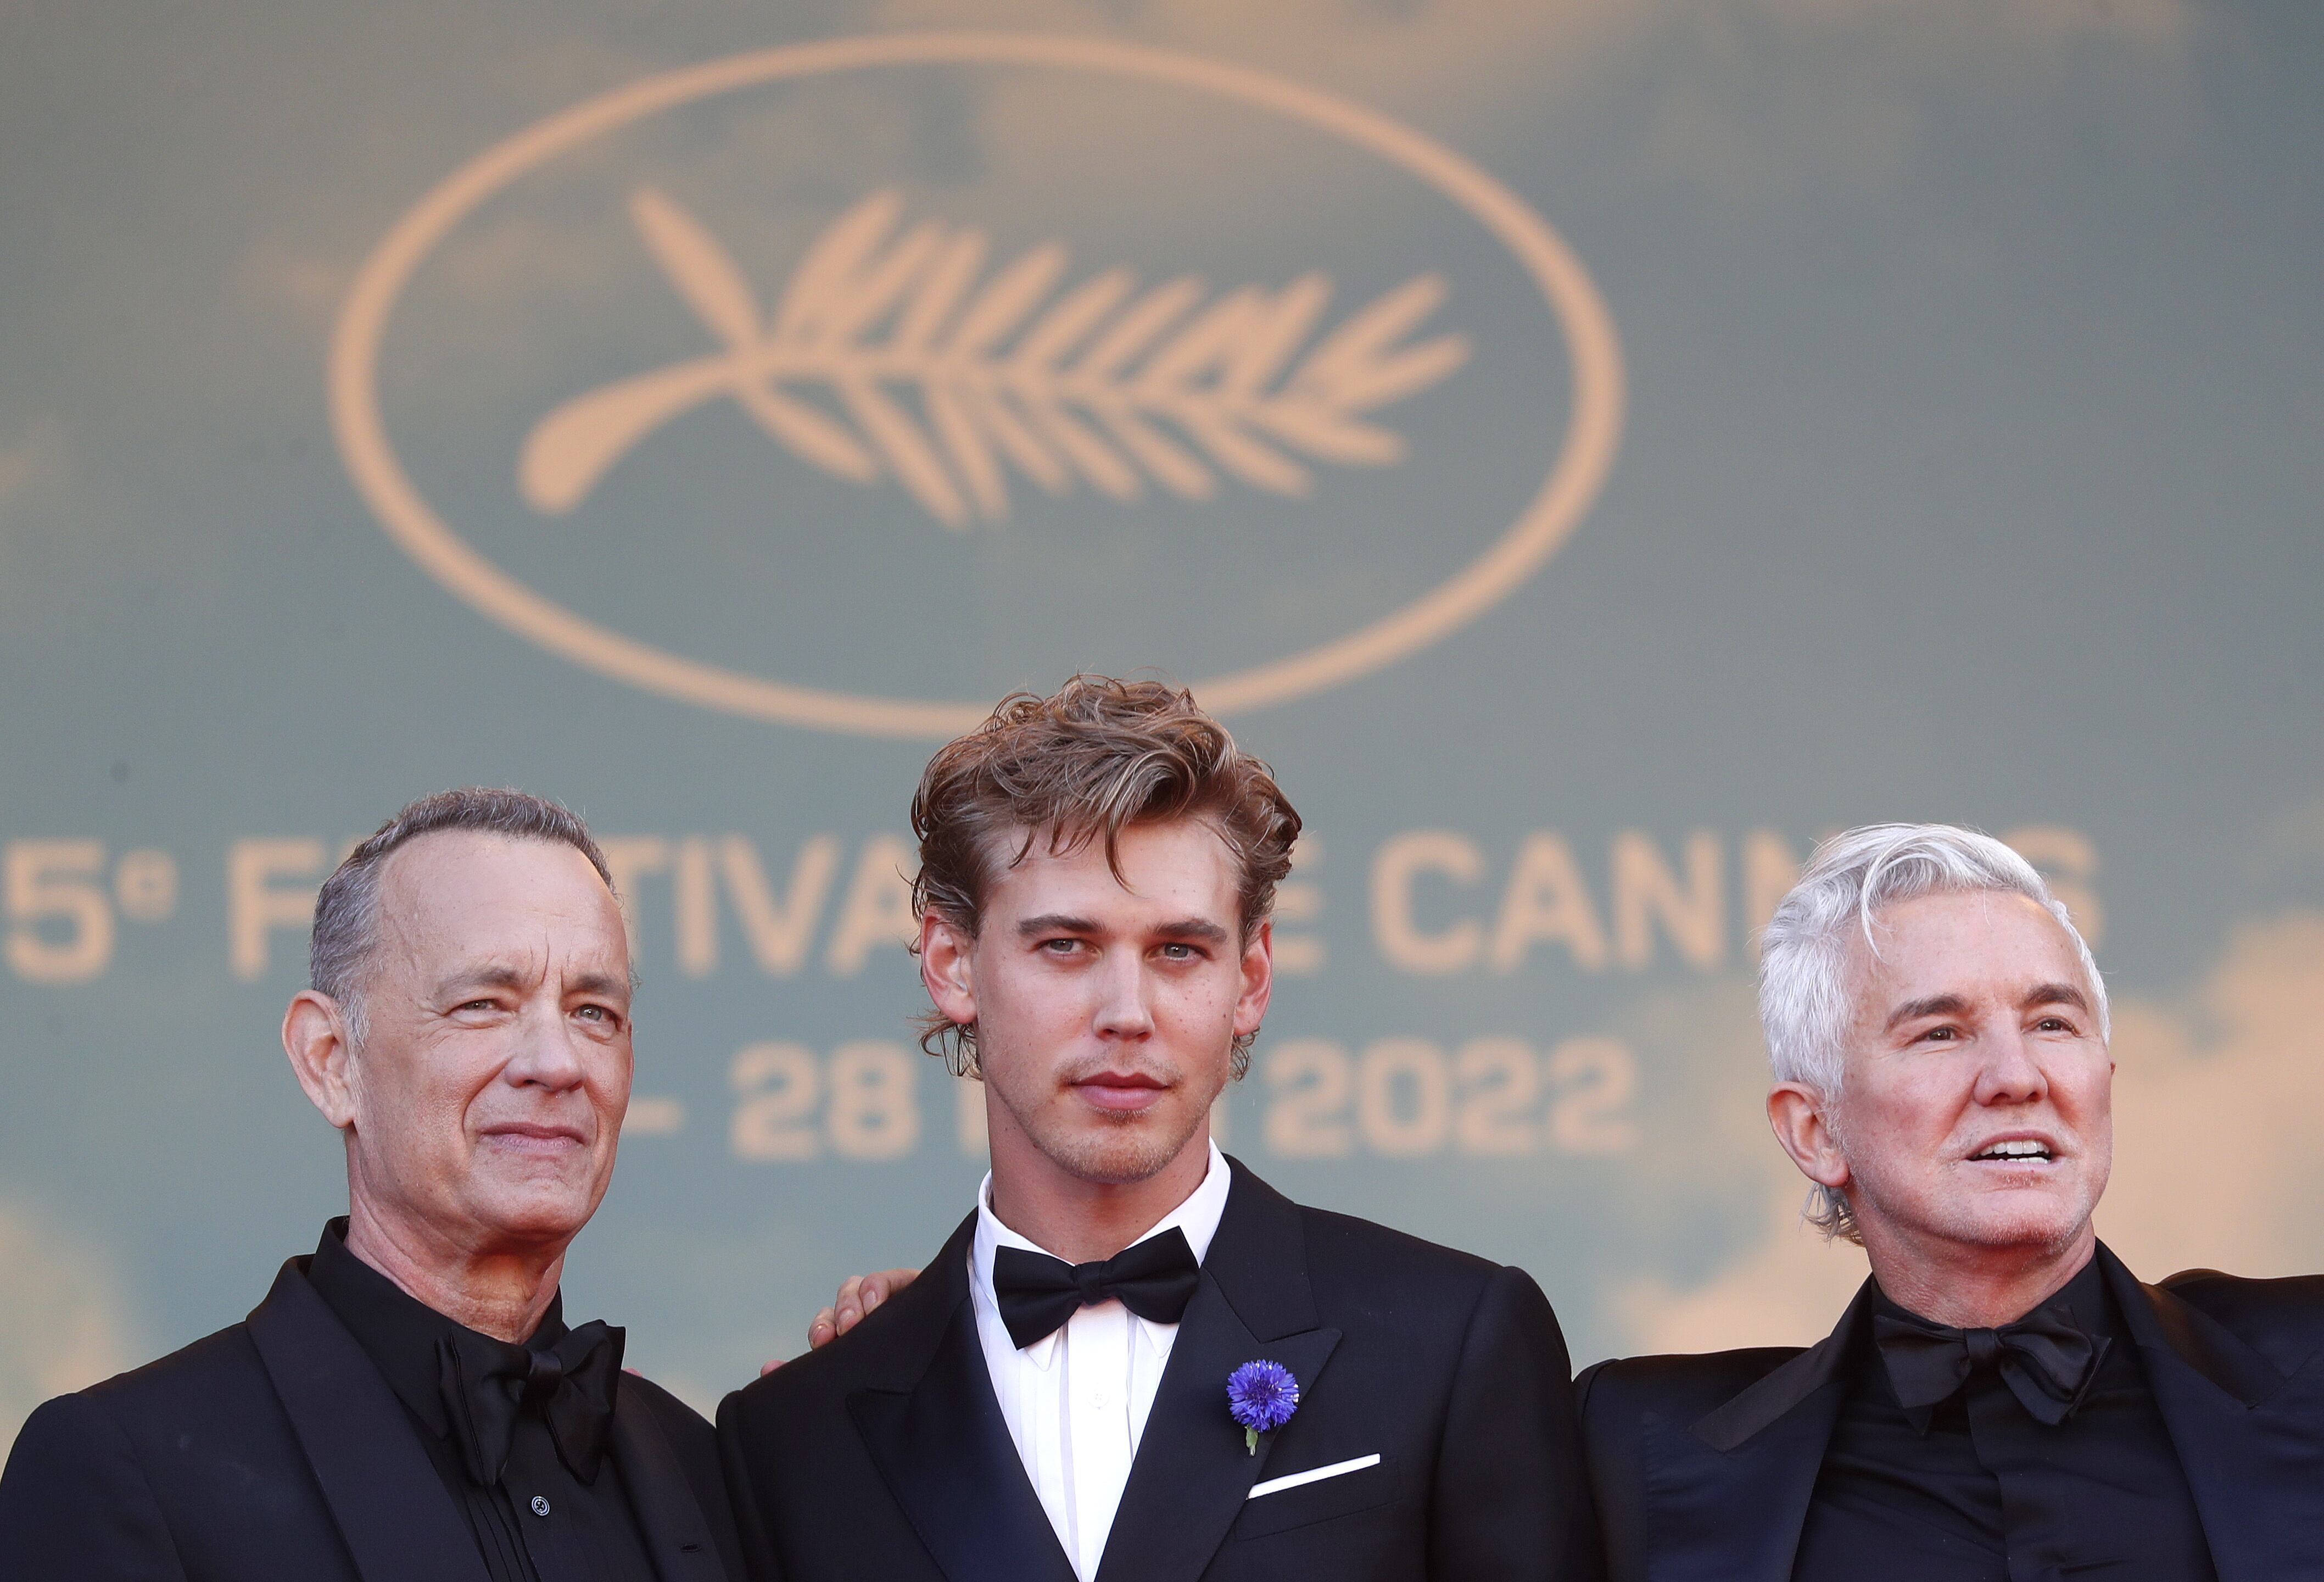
<point>871,1291</point>
<point>766,1368</point>
<point>859,1296</point>
<point>847,1306</point>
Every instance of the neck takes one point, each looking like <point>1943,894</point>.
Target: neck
<point>500,1292</point>
<point>1975,1287</point>
<point>1082,1221</point>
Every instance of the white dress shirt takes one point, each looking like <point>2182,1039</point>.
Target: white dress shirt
<point>1076,1402</point>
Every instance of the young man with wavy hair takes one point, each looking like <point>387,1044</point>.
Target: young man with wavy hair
<point>1134,1360</point>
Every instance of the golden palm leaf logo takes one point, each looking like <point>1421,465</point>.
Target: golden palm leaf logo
<point>1105,384</point>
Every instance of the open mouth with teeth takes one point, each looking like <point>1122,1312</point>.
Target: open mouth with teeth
<point>2017,1151</point>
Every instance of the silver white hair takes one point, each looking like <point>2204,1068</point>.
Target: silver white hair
<point>1805,996</point>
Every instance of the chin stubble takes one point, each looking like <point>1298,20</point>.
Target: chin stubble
<point>1124,1152</point>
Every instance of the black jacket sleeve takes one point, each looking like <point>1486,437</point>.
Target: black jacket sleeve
<point>74,1501</point>
<point>759,1561</point>
<point>1508,1501</point>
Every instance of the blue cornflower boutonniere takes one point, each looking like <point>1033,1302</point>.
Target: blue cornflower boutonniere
<point>1262,1396</point>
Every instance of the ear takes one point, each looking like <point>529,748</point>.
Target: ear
<point>947,968</point>
<point>315,1037</point>
<point>1258,980</point>
<point>1797,1113</point>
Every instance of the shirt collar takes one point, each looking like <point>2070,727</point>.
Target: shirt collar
<point>2083,1298</point>
<point>396,1329</point>
<point>1198,1217</point>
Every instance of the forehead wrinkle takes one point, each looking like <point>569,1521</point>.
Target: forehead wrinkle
<point>498,970</point>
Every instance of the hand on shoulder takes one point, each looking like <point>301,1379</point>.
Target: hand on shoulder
<point>858,1295</point>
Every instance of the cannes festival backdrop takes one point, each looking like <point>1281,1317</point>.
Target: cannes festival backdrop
<point>1591,447</point>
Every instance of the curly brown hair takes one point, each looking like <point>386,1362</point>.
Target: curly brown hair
<point>1081,764</point>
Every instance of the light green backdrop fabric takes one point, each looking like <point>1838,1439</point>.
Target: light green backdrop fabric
<point>1590,447</point>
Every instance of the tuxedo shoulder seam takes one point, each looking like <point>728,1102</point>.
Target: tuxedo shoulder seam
<point>97,1411</point>
<point>1334,1225</point>
<point>215,1348</point>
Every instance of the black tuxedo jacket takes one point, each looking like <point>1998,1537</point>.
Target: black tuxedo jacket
<point>276,1450</point>
<point>884,1458</point>
<point>1703,1466</point>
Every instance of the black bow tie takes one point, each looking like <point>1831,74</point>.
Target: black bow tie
<point>1155,1278</point>
<point>2046,1359</point>
<point>488,1385</point>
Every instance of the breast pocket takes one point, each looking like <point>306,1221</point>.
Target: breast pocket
<point>1301,1498</point>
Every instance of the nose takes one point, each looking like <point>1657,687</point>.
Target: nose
<point>2011,1074</point>
<point>547,1054</point>
<point>1122,1009</point>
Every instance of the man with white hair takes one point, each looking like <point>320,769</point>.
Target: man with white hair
<point>2003,1400</point>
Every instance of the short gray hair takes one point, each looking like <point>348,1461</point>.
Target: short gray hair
<point>1804,999</point>
<point>346,911</point>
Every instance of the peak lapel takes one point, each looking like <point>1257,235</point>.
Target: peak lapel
<point>1193,1470</point>
<point>390,1506</point>
<point>1728,1494</point>
<point>2246,1436</point>
<point>677,1535</point>
<point>943,1449</point>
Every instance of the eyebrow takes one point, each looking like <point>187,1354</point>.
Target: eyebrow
<point>1052,923</point>
<point>1055,923</point>
<point>2055,995</point>
<point>599,983</point>
<point>501,976</point>
<point>1955,1005</point>
<point>1935,1005</point>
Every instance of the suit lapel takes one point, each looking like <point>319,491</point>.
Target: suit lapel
<point>943,1447</point>
<point>2246,1435</point>
<point>677,1534</point>
<point>1728,1494</point>
<point>1193,1470</point>
<point>391,1507</point>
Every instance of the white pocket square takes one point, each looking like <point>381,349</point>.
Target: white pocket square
<point>1275,1486</point>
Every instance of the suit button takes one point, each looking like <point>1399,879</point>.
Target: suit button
<point>540,1504</point>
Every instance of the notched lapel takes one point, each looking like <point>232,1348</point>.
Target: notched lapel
<point>1194,1470</point>
<point>1727,1495</point>
<point>1734,1516</point>
<point>390,1506</point>
<point>944,1450</point>
<point>2247,1437</point>
<point>677,1531</point>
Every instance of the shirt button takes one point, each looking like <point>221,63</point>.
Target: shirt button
<point>540,1504</point>
<point>1097,1400</point>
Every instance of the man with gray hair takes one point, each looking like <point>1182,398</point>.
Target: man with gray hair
<point>2004,1401</point>
<point>409,1404</point>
